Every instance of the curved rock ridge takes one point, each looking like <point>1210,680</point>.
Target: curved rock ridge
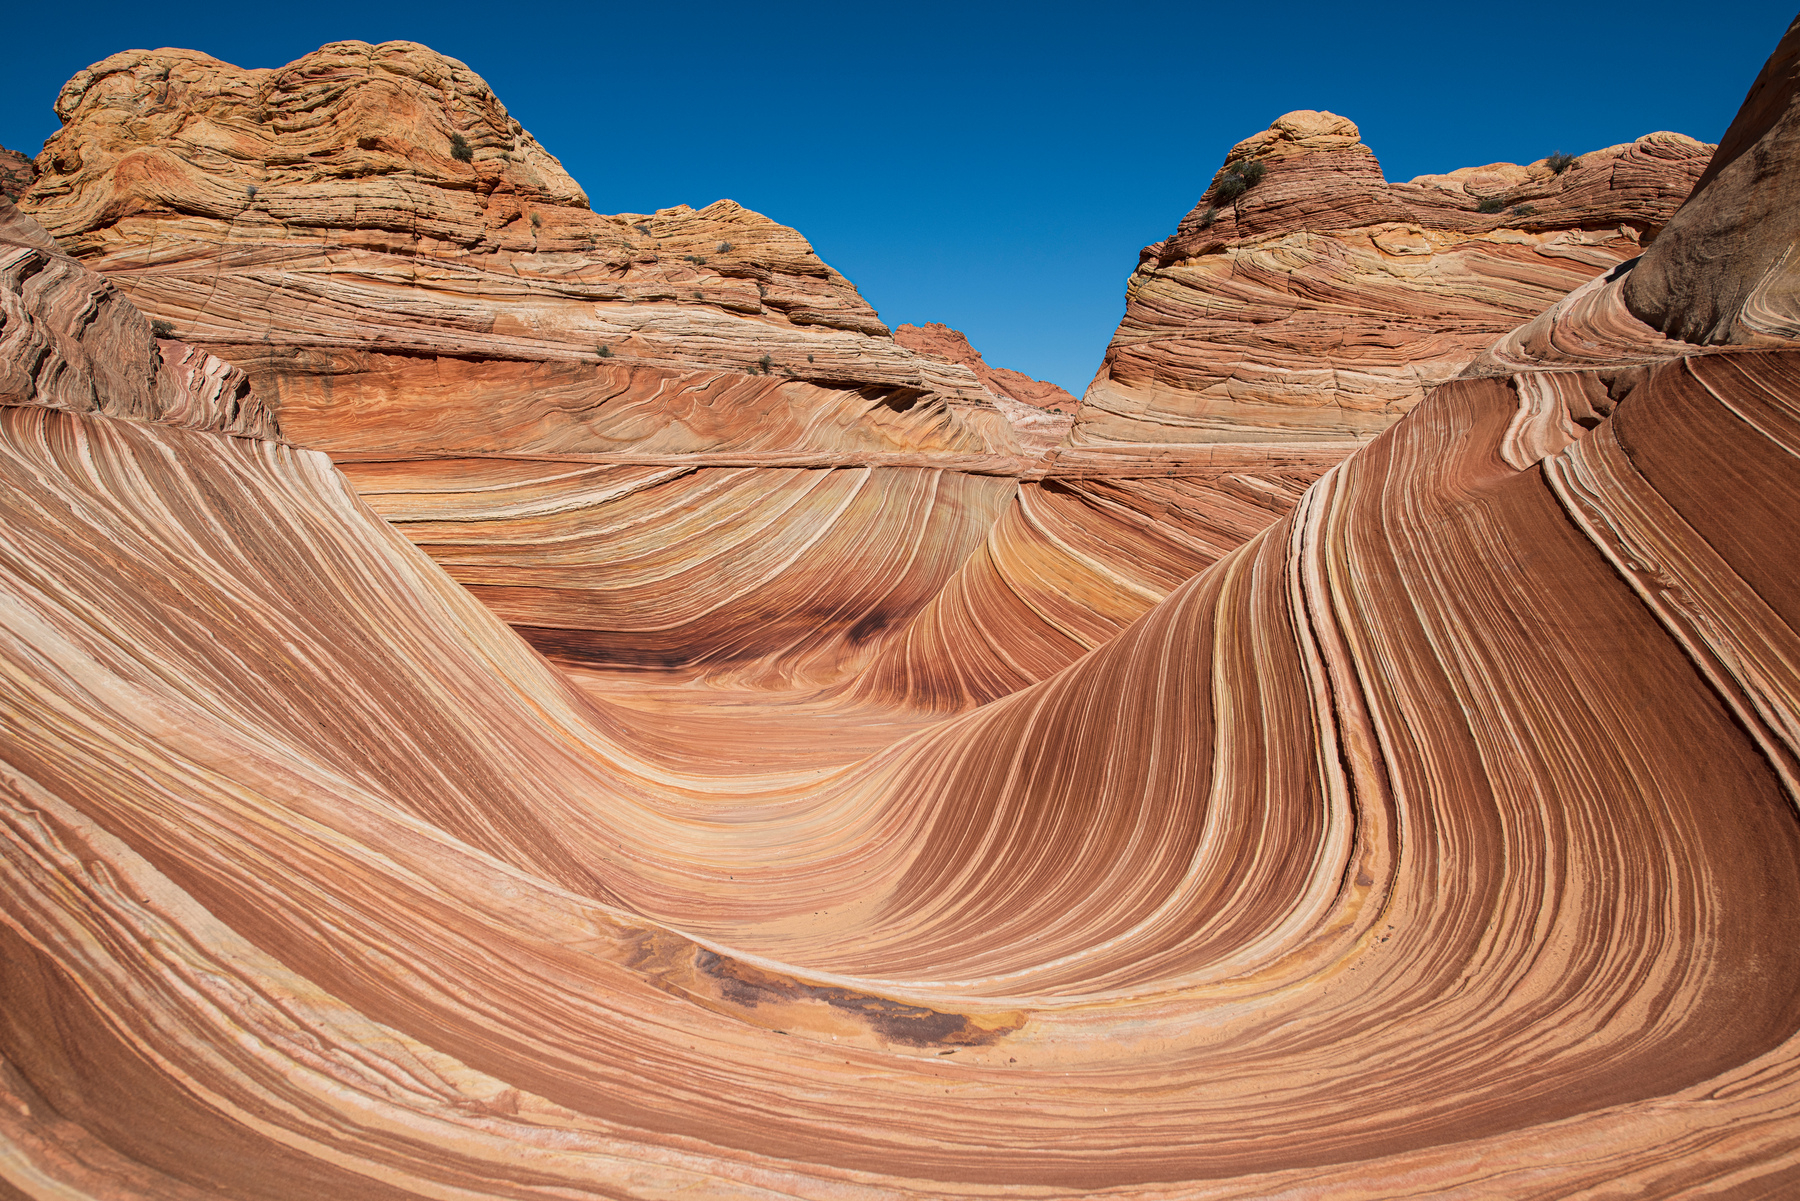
<point>1441,837</point>
<point>1084,549</point>
<point>1323,302</point>
<point>368,222</point>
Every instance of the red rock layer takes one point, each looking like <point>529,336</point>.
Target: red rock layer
<point>1439,838</point>
<point>1324,302</point>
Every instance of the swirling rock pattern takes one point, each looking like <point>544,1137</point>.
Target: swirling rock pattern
<point>1438,837</point>
<point>1324,302</point>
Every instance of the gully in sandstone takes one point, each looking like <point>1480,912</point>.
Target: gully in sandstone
<point>498,700</point>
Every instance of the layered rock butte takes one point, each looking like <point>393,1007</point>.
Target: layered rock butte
<point>901,811</point>
<point>1325,302</point>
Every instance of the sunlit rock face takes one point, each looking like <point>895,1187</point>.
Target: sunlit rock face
<point>1421,821</point>
<point>366,226</point>
<point>1726,275</point>
<point>1322,302</point>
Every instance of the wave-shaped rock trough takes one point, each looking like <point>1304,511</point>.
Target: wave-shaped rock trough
<point>1243,820</point>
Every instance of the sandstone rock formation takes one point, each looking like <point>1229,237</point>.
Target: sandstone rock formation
<point>418,289</point>
<point>401,312</point>
<point>1421,823</point>
<point>390,182</point>
<point>1323,302</point>
<point>939,341</point>
<point>1725,273</point>
<point>17,174</point>
<point>1040,410</point>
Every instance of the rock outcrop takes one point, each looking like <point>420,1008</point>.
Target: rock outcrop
<point>17,174</point>
<point>1038,409</point>
<point>1422,822</point>
<point>939,341</point>
<point>367,228</point>
<point>1725,272</point>
<point>1322,302</point>
<point>70,341</point>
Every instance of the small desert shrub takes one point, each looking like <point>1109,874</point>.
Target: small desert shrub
<point>1523,210</point>
<point>725,248</point>
<point>1209,216</point>
<point>460,150</point>
<point>1559,162</point>
<point>643,229</point>
<point>809,358</point>
<point>695,258</point>
<point>1239,178</point>
<point>536,221</point>
<point>250,191</point>
<point>162,329</point>
<point>605,352</point>
<point>766,362</point>
<point>1492,204</point>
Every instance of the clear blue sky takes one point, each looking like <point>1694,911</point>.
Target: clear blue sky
<point>993,167</point>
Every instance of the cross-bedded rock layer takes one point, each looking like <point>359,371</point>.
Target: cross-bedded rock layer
<point>1422,823</point>
<point>1323,302</point>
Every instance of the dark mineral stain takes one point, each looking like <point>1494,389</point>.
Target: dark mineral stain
<point>896,1021</point>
